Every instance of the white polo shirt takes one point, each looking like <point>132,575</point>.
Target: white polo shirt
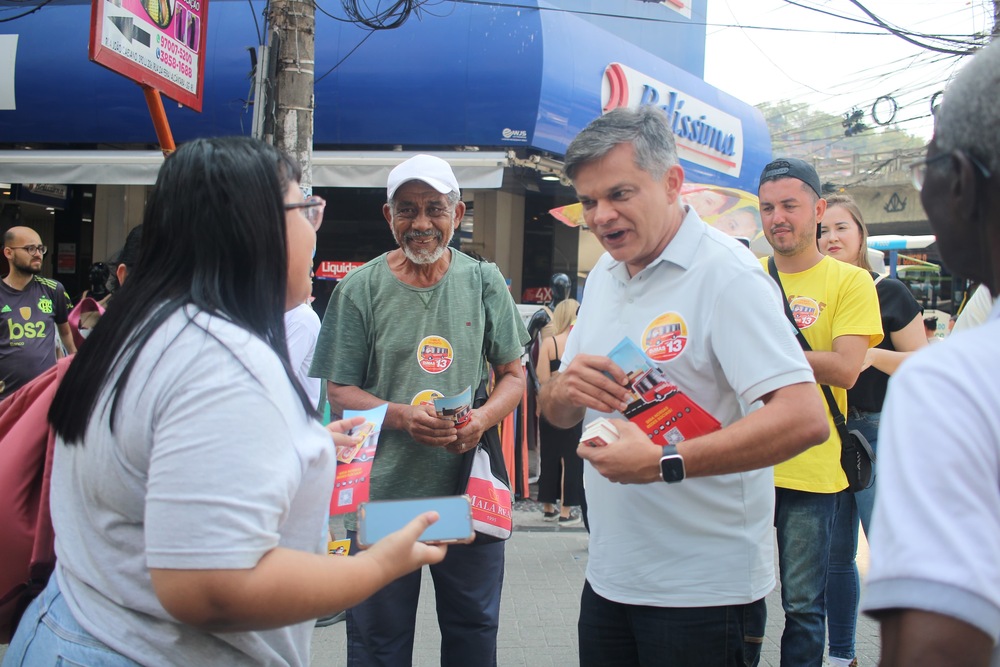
<point>705,541</point>
<point>935,542</point>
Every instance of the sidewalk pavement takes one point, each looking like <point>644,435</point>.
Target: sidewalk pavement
<point>545,566</point>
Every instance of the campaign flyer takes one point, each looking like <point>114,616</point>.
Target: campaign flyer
<point>664,412</point>
<point>457,408</point>
<point>354,463</point>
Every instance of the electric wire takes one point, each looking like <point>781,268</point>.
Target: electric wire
<point>256,25</point>
<point>895,31</point>
<point>879,23</point>
<point>27,13</point>
<point>649,19</point>
<point>349,53</point>
<point>906,80</point>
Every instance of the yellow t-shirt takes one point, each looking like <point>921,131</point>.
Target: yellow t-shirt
<point>829,300</point>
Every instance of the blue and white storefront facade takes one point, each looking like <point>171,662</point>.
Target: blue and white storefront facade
<point>500,90</point>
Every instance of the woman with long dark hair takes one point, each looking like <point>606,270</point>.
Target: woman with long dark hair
<point>191,478</point>
<point>843,236</point>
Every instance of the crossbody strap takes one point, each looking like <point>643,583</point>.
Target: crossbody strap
<point>838,416</point>
<point>483,391</point>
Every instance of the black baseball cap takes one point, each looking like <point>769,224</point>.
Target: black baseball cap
<point>791,167</point>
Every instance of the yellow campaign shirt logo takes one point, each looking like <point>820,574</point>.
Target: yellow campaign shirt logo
<point>426,397</point>
<point>665,337</point>
<point>45,305</point>
<point>805,311</point>
<point>435,354</point>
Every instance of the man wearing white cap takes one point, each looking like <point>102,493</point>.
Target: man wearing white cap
<point>415,323</point>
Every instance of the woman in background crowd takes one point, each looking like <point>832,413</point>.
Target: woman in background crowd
<point>560,469</point>
<point>191,477</point>
<point>843,235</point>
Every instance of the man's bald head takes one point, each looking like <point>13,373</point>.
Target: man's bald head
<point>17,236</point>
<point>23,264</point>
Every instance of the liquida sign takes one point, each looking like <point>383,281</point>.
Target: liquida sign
<point>705,135</point>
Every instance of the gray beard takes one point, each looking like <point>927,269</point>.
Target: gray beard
<point>425,256</point>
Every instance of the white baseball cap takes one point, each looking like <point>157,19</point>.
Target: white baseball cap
<point>432,170</point>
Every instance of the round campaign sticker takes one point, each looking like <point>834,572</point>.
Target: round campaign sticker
<point>435,354</point>
<point>805,310</point>
<point>426,396</point>
<point>665,337</point>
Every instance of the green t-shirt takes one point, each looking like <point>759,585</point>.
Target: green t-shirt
<point>407,344</point>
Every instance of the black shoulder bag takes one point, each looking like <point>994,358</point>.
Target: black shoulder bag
<point>483,475</point>
<point>856,456</point>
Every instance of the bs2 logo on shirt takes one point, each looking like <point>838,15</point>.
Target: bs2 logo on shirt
<point>26,330</point>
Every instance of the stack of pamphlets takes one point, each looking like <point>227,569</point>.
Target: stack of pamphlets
<point>657,406</point>
<point>599,433</point>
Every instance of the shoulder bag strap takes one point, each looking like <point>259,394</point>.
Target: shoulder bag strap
<point>482,392</point>
<point>838,416</point>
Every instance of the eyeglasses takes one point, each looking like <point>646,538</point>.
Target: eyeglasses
<point>918,170</point>
<point>30,249</point>
<point>312,209</point>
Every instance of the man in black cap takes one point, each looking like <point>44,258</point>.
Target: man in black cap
<point>835,307</point>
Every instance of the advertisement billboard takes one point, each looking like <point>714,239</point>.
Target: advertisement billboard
<point>156,43</point>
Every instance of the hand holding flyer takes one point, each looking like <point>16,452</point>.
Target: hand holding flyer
<point>361,433</point>
<point>457,408</point>
<point>599,433</point>
<point>664,413</point>
<point>354,462</point>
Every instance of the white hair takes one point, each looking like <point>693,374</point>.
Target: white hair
<point>970,109</point>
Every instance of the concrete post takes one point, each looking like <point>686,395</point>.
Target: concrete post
<point>292,45</point>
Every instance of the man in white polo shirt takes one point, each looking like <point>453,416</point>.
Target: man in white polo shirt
<point>681,553</point>
<point>934,581</point>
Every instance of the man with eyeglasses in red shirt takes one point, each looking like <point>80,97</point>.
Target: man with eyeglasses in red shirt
<point>32,310</point>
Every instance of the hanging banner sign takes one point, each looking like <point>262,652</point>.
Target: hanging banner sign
<point>157,43</point>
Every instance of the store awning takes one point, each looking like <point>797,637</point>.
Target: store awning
<point>339,169</point>
<point>370,169</point>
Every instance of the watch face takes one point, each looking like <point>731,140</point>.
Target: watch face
<point>672,468</point>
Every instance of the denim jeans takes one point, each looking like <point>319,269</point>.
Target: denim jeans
<point>804,523</point>
<point>612,634</point>
<point>867,423</point>
<point>48,634</point>
<point>467,585</point>
<point>843,586</point>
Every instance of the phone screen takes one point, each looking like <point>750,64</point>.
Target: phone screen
<point>378,519</point>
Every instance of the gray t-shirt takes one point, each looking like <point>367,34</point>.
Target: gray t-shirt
<point>406,345</point>
<point>28,333</point>
<point>213,463</point>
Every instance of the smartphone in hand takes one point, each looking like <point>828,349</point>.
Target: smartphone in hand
<point>379,518</point>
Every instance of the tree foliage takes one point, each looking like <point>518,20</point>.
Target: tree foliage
<point>801,131</point>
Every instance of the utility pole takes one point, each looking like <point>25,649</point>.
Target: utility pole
<point>996,18</point>
<point>292,54</point>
